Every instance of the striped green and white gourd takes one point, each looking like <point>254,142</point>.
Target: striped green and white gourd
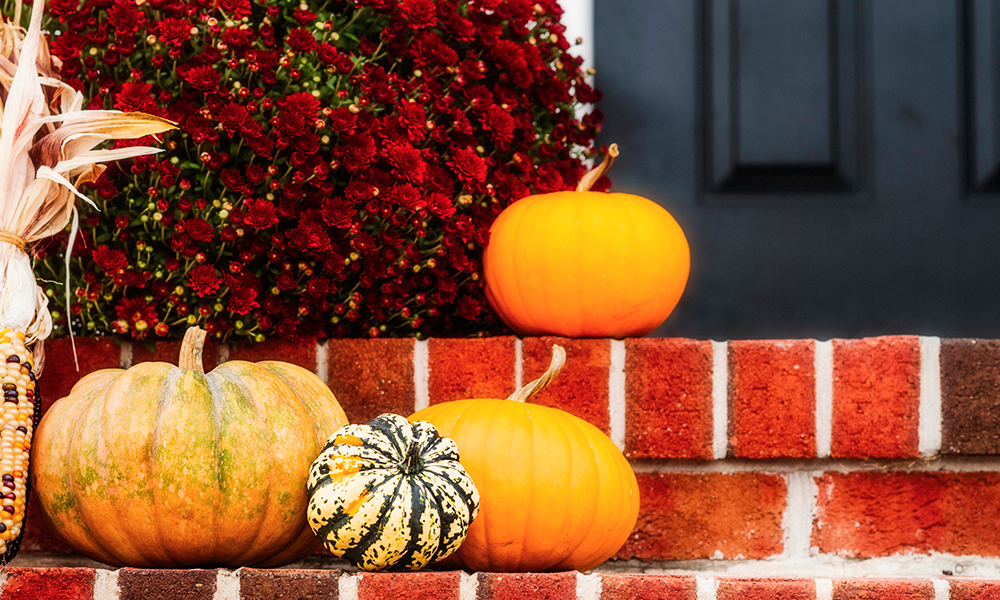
<point>391,495</point>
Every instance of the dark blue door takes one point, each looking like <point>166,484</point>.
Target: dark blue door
<point>834,163</point>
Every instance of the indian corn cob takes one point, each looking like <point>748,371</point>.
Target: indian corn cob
<point>46,150</point>
<point>21,412</point>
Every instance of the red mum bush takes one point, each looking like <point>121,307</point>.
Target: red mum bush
<point>337,167</point>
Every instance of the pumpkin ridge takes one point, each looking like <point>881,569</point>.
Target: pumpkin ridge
<point>568,421</point>
<point>72,439</point>
<point>520,290</point>
<point>77,445</point>
<point>356,553</point>
<point>420,547</point>
<point>164,396</point>
<point>448,496</point>
<point>220,395</point>
<point>106,423</point>
<point>331,525</point>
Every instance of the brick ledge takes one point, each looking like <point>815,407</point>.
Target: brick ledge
<point>88,583</point>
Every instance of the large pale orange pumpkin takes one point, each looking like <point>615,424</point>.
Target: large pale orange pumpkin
<point>167,466</point>
<point>585,264</point>
<point>555,494</point>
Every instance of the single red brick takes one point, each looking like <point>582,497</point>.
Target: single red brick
<point>470,368</point>
<point>303,355</point>
<point>970,396</point>
<point>668,398</point>
<point>143,584</point>
<point>168,351</point>
<point>371,376</point>
<point>648,587</point>
<point>882,589</point>
<point>581,388</point>
<point>766,589</point>
<point>48,584</point>
<point>519,586</point>
<point>426,585</point>
<point>970,589</point>
<point>879,514</point>
<point>268,584</point>
<point>686,516</point>
<point>772,399</point>
<point>876,397</point>
<point>971,504</point>
<point>60,373</point>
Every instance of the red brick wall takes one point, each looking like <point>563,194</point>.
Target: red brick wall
<point>851,449</point>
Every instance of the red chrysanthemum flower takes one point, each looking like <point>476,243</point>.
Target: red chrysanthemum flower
<point>500,124</point>
<point>173,31</point>
<point>406,163</point>
<point>242,300</point>
<point>198,229</point>
<point>111,260</point>
<point>420,13</point>
<point>204,280</point>
<point>126,17</point>
<point>204,78</point>
<point>135,97</point>
<point>261,214</point>
<point>301,40</point>
<point>468,166</point>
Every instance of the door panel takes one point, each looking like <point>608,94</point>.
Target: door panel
<point>834,163</point>
<point>784,87</point>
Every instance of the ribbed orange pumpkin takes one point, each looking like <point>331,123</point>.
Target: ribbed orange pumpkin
<point>585,264</point>
<point>169,467</point>
<point>555,494</point>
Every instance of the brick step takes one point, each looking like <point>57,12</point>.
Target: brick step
<point>86,583</point>
<point>767,454</point>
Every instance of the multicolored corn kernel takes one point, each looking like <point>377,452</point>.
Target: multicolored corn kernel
<point>20,415</point>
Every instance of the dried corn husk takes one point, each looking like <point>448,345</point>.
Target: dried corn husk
<point>47,149</point>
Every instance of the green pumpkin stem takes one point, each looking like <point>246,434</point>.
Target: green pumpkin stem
<point>192,348</point>
<point>590,177</point>
<point>558,360</point>
<point>411,462</point>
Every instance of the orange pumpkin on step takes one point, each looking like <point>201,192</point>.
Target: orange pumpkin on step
<point>555,493</point>
<point>170,467</point>
<point>585,264</point>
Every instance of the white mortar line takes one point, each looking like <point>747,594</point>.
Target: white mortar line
<point>347,586</point>
<point>823,352</point>
<point>707,587</point>
<point>616,394</point>
<point>322,361</point>
<point>421,375</point>
<point>588,587</point>
<point>105,585</point>
<point>227,585</point>
<point>824,589</point>
<point>930,396</point>
<point>800,502</point>
<point>720,399</point>
<point>125,355</point>
<point>518,363</point>
<point>963,464</point>
<point>942,589</point>
<point>908,566</point>
<point>468,586</point>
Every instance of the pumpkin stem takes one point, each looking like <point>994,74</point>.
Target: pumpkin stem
<point>411,462</point>
<point>192,348</point>
<point>591,176</point>
<point>558,360</point>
